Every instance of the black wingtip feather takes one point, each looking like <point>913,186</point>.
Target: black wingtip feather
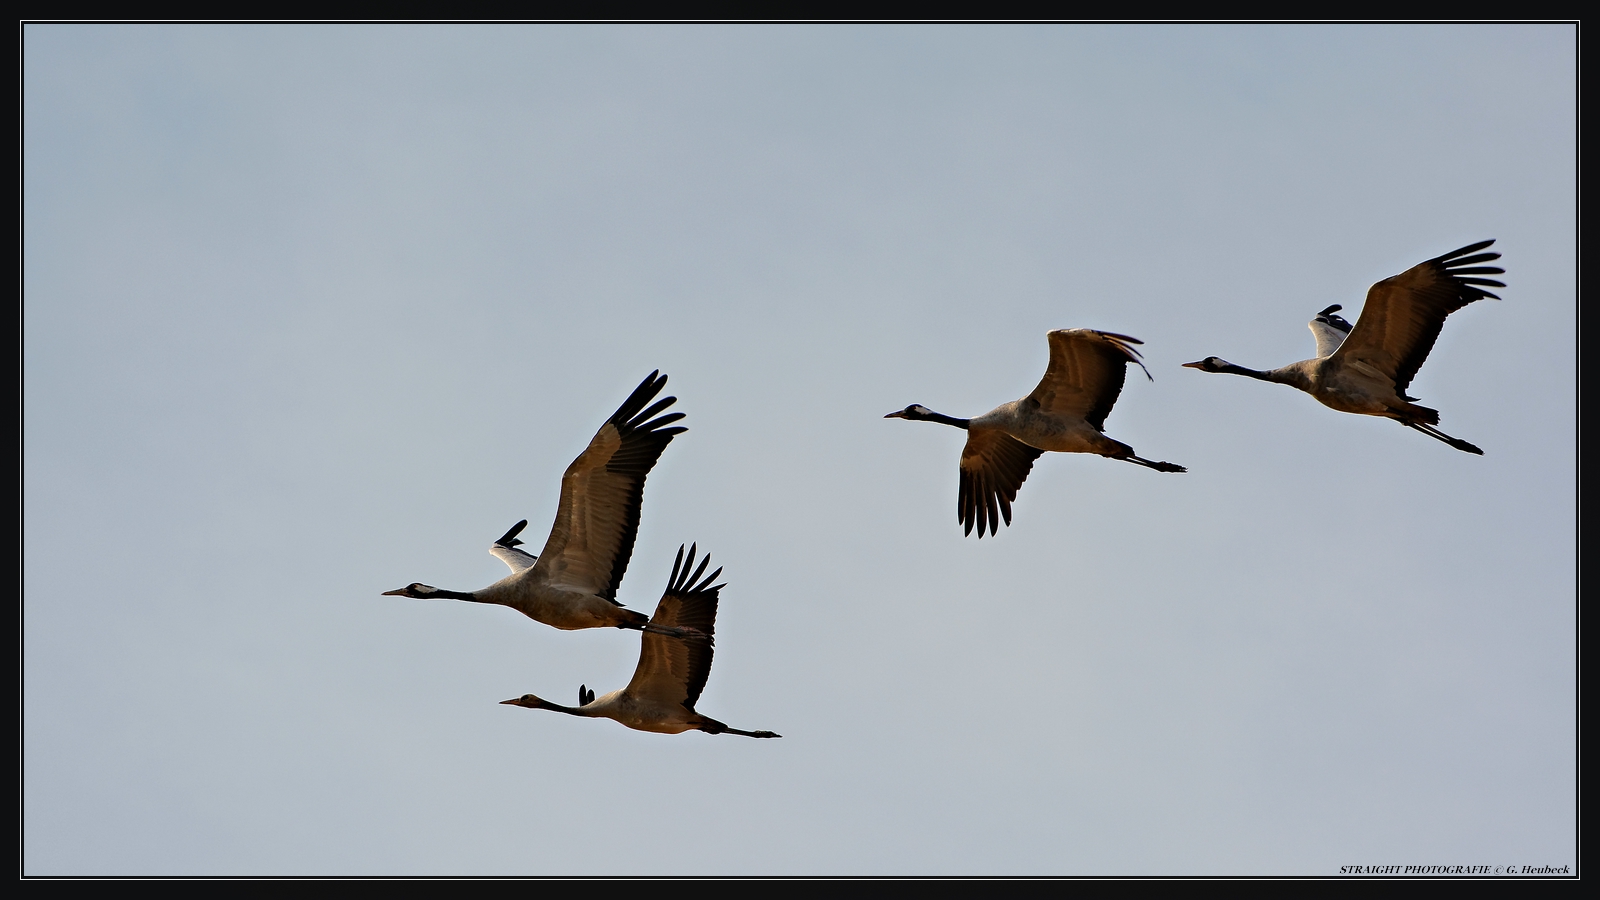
<point>641,396</point>
<point>1470,248</point>
<point>1121,342</point>
<point>509,539</point>
<point>1125,338</point>
<point>706,584</point>
<point>665,420</point>
<point>688,563</point>
<point>685,584</point>
<point>700,571</point>
<point>658,407</point>
<point>677,565</point>
<point>1481,257</point>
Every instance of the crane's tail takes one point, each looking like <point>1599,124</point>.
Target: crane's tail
<point>1438,435</point>
<point>1410,413</point>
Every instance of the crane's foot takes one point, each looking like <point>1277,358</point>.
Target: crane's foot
<point>754,734</point>
<point>1152,464</point>
<point>1438,435</point>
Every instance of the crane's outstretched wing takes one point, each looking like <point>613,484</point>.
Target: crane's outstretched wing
<point>993,466</point>
<point>598,517</point>
<point>674,669</point>
<point>505,549</point>
<point>1085,375</point>
<point>1405,312</point>
<point>1329,330</point>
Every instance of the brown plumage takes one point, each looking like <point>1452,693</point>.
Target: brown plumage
<point>597,518</point>
<point>573,583</point>
<point>1065,413</point>
<point>1404,313</point>
<point>1369,373</point>
<point>672,671</point>
<point>993,467</point>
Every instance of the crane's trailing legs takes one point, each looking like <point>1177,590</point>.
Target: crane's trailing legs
<point>1152,464</point>
<point>712,726</point>
<point>1436,434</point>
<point>672,631</point>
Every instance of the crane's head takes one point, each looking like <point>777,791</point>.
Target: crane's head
<point>415,590</point>
<point>914,411</point>
<point>1209,364</point>
<point>527,701</point>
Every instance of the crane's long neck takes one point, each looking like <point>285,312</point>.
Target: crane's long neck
<point>1299,375</point>
<point>919,413</point>
<point>429,592</point>
<point>420,591</point>
<point>1295,375</point>
<point>528,701</point>
<point>1232,369</point>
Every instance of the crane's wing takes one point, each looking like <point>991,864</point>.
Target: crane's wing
<point>598,517</point>
<point>1405,312</point>
<point>1329,330</point>
<point>505,549</point>
<point>1085,375</point>
<point>674,669</point>
<point>993,466</point>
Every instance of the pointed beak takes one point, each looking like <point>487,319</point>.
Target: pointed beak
<point>400,593</point>
<point>901,414</point>
<point>1195,365</point>
<point>509,702</point>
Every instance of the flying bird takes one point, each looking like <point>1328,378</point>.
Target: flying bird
<point>672,671</point>
<point>1066,413</point>
<point>573,582</point>
<point>1367,369</point>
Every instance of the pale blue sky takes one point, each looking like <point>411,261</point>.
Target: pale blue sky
<point>311,312</point>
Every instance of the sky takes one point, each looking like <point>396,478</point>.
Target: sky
<point>313,312</point>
